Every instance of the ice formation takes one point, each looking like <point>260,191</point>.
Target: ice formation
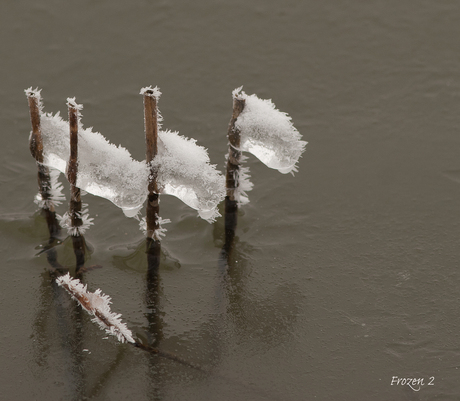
<point>184,171</point>
<point>103,169</point>
<point>244,183</point>
<point>155,92</point>
<point>159,232</point>
<point>110,172</point>
<point>97,305</point>
<point>56,197</point>
<point>268,133</point>
<point>65,221</point>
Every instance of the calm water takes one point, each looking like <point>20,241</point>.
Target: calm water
<point>343,276</point>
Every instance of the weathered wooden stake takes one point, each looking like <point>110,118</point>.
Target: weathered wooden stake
<point>75,193</point>
<point>233,166</point>
<point>36,149</point>
<point>153,208</point>
<point>72,169</point>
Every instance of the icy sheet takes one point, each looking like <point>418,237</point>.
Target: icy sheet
<point>268,133</point>
<point>104,169</point>
<point>184,171</point>
<point>110,172</point>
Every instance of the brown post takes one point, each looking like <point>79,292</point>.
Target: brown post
<point>36,149</point>
<point>153,208</point>
<point>72,169</point>
<point>233,166</point>
<point>75,193</point>
<point>234,153</point>
<point>151,138</point>
<point>36,143</point>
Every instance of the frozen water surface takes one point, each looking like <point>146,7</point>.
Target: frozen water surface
<point>341,277</point>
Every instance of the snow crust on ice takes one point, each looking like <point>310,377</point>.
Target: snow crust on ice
<point>110,172</point>
<point>268,133</point>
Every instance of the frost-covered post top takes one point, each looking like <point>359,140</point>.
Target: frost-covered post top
<point>268,133</point>
<point>238,106</point>
<point>72,103</point>
<point>35,95</point>
<point>149,91</point>
<point>152,120</point>
<point>238,93</point>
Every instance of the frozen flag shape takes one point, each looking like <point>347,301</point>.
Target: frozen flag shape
<point>268,133</point>
<point>184,171</point>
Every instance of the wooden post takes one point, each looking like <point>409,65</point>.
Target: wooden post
<point>234,152</point>
<point>36,149</point>
<point>233,166</point>
<point>75,193</point>
<point>151,138</point>
<point>36,143</point>
<point>72,169</point>
<point>151,97</point>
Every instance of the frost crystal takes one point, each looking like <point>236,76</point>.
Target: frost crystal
<point>71,102</point>
<point>159,232</point>
<point>97,305</point>
<point>244,184</point>
<point>56,197</point>
<point>268,133</point>
<point>66,222</point>
<point>155,92</point>
<point>36,93</point>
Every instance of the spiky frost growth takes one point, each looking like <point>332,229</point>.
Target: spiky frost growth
<point>244,183</point>
<point>66,222</point>
<point>159,232</point>
<point>155,92</point>
<point>36,93</point>
<point>71,102</point>
<point>56,196</point>
<point>97,305</point>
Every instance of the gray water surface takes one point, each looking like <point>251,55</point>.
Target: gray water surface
<point>344,275</point>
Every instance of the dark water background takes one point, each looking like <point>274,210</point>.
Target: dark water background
<point>344,276</point>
